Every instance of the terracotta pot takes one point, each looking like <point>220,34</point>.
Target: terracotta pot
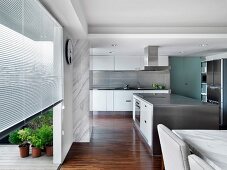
<point>36,152</point>
<point>49,150</point>
<point>24,151</point>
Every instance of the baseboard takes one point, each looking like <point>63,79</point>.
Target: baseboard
<point>113,114</point>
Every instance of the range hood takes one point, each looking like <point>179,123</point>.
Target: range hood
<point>152,60</point>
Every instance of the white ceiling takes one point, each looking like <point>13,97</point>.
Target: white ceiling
<point>167,46</point>
<point>156,13</point>
<point>141,18</point>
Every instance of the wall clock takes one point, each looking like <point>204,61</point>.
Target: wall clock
<point>69,51</point>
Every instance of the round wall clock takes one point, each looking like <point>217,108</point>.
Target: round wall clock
<point>69,51</point>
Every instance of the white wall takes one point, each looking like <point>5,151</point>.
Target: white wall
<point>215,57</point>
<point>67,116</point>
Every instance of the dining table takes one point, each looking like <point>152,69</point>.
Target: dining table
<point>210,145</point>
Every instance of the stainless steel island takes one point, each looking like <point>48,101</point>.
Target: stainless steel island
<point>174,111</point>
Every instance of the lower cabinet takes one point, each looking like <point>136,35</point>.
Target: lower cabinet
<point>102,100</point>
<point>123,100</point>
<point>115,100</point>
<point>146,119</point>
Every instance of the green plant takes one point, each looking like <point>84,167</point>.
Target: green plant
<point>14,138</point>
<point>36,141</point>
<point>46,134</point>
<point>44,119</point>
<point>24,134</point>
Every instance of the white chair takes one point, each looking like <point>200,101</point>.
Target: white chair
<point>174,151</point>
<point>196,163</point>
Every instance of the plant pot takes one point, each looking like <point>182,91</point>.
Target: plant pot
<point>36,152</point>
<point>24,151</point>
<point>49,150</point>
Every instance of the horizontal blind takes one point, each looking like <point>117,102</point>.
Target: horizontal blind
<point>30,61</point>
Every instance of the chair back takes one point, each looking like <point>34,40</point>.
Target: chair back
<point>174,151</point>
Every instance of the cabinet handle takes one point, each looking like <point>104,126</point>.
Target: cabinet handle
<point>128,101</point>
<point>145,121</point>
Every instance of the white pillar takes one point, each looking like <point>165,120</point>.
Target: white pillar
<point>57,134</point>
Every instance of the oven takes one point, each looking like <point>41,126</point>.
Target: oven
<point>137,112</point>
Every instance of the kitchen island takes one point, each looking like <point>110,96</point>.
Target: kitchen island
<point>174,111</point>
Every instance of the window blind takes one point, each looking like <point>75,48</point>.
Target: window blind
<point>30,61</point>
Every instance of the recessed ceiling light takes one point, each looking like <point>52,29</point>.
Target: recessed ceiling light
<point>114,45</point>
<point>203,45</point>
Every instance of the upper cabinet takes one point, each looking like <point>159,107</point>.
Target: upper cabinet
<point>163,60</point>
<point>117,63</point>
<point>128,63</point>
<point>102,63</point>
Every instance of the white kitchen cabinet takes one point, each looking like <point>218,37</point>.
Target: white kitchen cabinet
<point>99,100</point>
<point>109,100</point>
<point>146,119</point>
<point>123,100</point>
<point>102,62</point>
<point>163,60</point>
<point>102,100</point>
<point>128,63</point>
<point>115,100</point>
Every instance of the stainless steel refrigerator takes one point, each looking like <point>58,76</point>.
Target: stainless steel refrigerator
<point>214,86</point>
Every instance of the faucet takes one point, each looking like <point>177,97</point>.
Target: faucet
<point>126,86</point>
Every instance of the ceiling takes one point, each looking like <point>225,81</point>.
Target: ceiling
<point>167,46</point>
<point>156,13</point>
<point>135,21</point>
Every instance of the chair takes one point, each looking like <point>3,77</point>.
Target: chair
<point>196,163</point>
<point>174,151</point>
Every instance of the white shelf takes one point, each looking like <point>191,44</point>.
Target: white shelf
<point>204,94</point>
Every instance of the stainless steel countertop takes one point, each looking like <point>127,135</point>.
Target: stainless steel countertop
<point>170,99</point>
<point>104,88</point>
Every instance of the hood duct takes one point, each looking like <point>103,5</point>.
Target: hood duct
<point>151,60</point>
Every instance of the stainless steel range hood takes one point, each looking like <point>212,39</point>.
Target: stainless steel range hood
<point>151,60</point>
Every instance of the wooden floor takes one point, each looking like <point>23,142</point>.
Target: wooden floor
<point>115,145</point>
<point>10,160</point>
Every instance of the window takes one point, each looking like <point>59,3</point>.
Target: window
<point>30,61</point>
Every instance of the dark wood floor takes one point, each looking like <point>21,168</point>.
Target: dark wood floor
<point>115,145</point>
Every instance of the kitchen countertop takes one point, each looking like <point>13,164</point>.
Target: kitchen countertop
<point>170,99</point>
<point>104,88</point>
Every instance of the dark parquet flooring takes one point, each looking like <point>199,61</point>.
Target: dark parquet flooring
<point>115,145</point>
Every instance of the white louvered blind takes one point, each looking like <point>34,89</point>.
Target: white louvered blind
<point>30,61</point>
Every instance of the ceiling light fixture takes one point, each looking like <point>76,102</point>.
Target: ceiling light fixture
<point>181,52</point>
<point>111,52</point>
<point>114,45</point>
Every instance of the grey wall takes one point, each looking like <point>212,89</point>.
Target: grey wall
<point>81,125</point>
<point>186,76</point>
<point>132,78</point>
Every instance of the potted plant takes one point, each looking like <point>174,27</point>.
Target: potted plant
<point>46,134</point>
<point>37,144</point>
<point>20,137</point>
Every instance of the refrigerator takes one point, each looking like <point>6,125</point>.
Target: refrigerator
<point>214,87</point>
